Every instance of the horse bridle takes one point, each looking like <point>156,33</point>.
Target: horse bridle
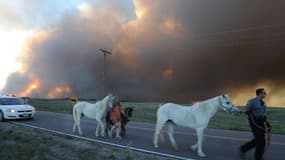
<point>224,106</point>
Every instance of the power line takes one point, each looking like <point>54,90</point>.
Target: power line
<point>240,30</point>
<point>267,34</point>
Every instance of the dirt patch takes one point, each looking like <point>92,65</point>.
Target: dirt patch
<point>18,142</point>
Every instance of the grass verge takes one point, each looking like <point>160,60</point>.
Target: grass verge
<point>23,143</point>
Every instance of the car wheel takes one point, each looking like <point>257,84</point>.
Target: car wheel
<point>2,119</point>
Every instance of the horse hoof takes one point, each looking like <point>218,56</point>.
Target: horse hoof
<point>175,148</point>
<point>193,147</point>
<point>201,154</point>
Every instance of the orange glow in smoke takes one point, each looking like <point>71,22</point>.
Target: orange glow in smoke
<point>170,27</point>
<point>59,91</point>
<point>34,86</point>
<point>274,98</point>
<point>30,88</point>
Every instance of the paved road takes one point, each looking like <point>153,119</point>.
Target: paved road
<point>218,144</point>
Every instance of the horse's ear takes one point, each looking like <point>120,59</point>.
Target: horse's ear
<point>224,96</point>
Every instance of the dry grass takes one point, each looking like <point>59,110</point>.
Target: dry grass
<point>22,143</point>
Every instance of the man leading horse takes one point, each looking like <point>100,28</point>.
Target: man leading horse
<point>256,111</point>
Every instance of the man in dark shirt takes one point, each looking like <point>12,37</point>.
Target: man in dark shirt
<point>256,111</point>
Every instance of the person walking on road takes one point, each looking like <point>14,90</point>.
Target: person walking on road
<point>256,111</point>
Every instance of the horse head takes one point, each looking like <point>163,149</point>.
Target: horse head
<point>226,103</point>
<point>108,100</point>
<point>129,111</point>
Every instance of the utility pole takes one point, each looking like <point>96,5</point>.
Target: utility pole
<point>105,52</point>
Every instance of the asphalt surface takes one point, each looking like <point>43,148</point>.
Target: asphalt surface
<point>218,144</point>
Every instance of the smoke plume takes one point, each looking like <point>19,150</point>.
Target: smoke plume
<point>163,50</point>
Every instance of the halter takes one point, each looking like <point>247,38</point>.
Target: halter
<point>226,107</point>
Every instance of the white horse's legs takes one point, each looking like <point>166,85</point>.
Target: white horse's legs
<point>77,123</point>
<point>116,126</point>
<point>74,127</point>
<point>76,118</point>
<point>170,134</point>
<point>158,127</point>
<point>100,124</point>
<point>102,128</point>
<point>118,130</point>
<point>79,129</point>
<point>110,132</point>
<point>97,129</point>
<point>200,134</point>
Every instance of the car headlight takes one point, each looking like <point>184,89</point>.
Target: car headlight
<point>11,110</point>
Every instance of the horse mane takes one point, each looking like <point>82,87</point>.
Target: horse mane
<point>106,98</point>
<point>103,102</point>
<point>203,105</point>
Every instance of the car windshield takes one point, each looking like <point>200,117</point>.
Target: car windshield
<point>11,101</point>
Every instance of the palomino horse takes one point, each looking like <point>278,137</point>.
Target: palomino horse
<point>110,126</point>
<point>196,116</point>
<point>95,111</point>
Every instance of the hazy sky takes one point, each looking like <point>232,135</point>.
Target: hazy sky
<point>163,50</point>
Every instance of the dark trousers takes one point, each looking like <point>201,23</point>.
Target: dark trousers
<point>258,141</point>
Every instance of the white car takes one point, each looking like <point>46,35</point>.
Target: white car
<point>15,108</point>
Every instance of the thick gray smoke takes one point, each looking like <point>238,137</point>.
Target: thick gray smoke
<point>177,51</point>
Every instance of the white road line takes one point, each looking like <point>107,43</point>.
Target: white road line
<point>106,143</point>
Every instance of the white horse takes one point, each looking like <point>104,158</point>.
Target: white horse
<point>92,110</point>
<point>196,116</point>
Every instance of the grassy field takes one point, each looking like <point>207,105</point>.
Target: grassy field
<point>23,143</point>
<point>146,112</point>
